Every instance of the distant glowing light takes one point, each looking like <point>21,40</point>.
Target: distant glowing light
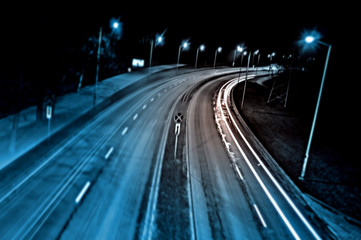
<point>239,49</point>
<point>219,49</point>
<point>309,39</point>
<point>117,28</point>
<point>185,45</point>
<point>202,47</point>
<point>115,25</point>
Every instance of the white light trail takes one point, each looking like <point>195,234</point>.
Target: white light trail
<point>284,194</point>
<point>226,88</point>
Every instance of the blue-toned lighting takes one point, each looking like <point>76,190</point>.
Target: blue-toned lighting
<point>219,49</point>
<point>309,39</point>
<point>115,25</point>
<point>239,49</point>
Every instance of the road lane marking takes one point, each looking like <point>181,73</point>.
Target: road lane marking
<point>82,192</point>
<point>144,106</point>
<point>152,99</point>
<point>125,130</point>
<point>260,216</point>
<point>135,116</point>
<point>109,152</point>
<point>284,194</point>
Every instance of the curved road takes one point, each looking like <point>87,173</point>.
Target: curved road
<point>165,160</point>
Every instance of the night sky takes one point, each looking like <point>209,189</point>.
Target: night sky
<point>258,25</point>
<point>35,35</point>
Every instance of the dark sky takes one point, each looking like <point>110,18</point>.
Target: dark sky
<point>267,26</point>
<point>257,24</point>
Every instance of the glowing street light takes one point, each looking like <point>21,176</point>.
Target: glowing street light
<point>218,50</point>
<point>240,68</point>
<point>259,56</point>
<point>254,53</point>
<point>115,25</point>
<point>159,40</point>
<point>184,46</point>
<point>200,48</point>
<point>244,54</point>
<point>238,49</point>
<point>309,40</point>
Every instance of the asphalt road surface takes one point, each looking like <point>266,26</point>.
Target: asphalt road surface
<point>167,159</point>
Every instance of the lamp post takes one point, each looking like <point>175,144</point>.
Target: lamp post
<point>240,69</point>
<point>185,46</point>
<point>254,53</point>
<point>97,69</point>
<point>218,50</point>
<point>259,55</point>
<point>201,48</point>
<point>245,82</point>
<point>238,49</point>
<point>115,25</point>
<point>308,40</point>
<point>159,40</point>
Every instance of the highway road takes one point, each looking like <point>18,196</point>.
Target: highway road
<point>166,159</point>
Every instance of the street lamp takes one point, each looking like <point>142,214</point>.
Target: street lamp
<point>159,41</point>
<point>201,48</point>
<point>238,49</point>
<point>259,55</point>
<point>254,53</point>
<point>244,54</point>
<point>270,56</point>
<point>184,46</point>
<point>114,25</point>
<point>240,69</point>
<point>245,81</point>
<point>218,50</point>
<point>309,40</point>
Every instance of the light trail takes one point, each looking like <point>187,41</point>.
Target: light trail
<point>226,89</point>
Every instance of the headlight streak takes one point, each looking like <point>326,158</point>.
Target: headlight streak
<point>225,91</point>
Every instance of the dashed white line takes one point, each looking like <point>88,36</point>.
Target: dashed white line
<point>260,216</point>
<point>124,131</point>
<point>82,192</point>
<point>109,152</point>
<point>144,106</point>
<point>152,99</point>
<point>135,116</point>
